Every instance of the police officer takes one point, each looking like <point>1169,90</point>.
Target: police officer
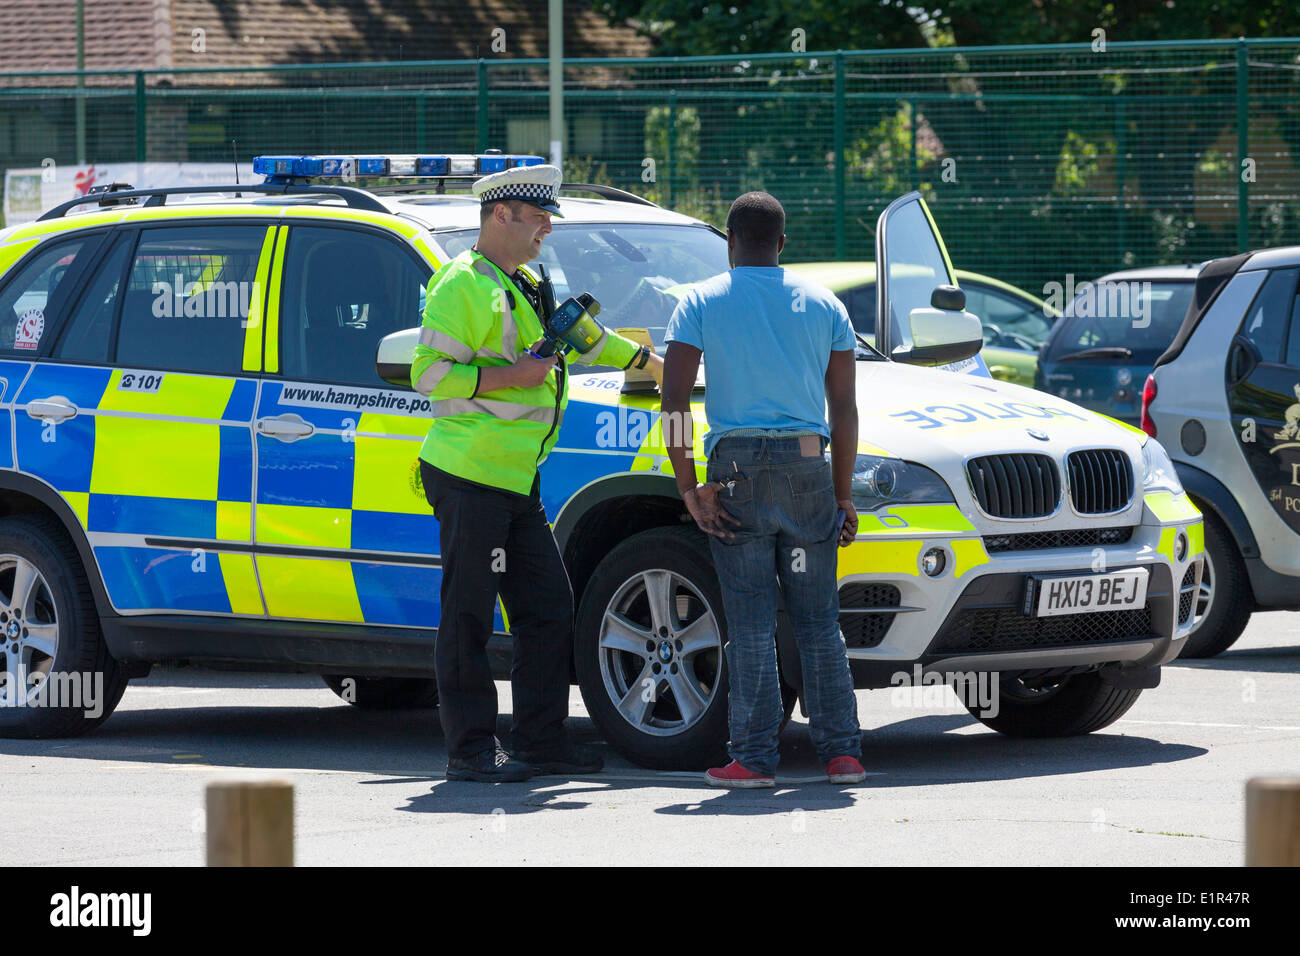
<point>497,410</point>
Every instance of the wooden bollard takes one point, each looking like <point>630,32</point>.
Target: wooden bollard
<point>1273,821</point>
<point>250,823</point>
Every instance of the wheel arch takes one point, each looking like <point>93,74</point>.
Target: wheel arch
<point>608,511</point>
<point>1207,489</point>
<point>23,494</point>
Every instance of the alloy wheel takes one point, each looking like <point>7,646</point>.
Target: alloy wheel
<point>29,629</point>
<point>660,649</point>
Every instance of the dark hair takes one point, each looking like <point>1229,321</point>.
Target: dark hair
<point>514,205</point>
<point>757,219</point>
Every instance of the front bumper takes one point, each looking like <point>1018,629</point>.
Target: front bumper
<point>969,618</point>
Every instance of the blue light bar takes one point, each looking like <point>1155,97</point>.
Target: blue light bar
<point>395,166</point>
<point>276,165</point>
<point>330,167</point>
<point>462,165</point>
<point>372,165</point>
<point>432,165</point>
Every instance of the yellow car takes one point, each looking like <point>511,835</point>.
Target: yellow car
<point>1015,322</point>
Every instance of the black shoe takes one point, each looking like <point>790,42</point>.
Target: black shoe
<point>563,758</point>
<point>491,766</point>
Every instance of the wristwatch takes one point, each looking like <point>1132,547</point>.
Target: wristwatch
<point>643,357</point>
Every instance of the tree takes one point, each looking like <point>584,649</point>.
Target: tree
<point>685,28</point>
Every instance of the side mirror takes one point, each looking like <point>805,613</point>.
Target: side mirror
<point>394,356</point>
<point>948,297</point>
<point>942,336</point>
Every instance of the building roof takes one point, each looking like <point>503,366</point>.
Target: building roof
<point>165,34</point>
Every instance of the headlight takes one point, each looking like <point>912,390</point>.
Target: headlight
<point>881,481</point>
<point>1160,474</point>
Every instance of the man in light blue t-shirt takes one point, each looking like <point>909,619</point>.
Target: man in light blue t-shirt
<point>779,351</point>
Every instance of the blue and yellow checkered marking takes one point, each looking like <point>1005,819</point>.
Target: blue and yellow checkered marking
<point>178,463</point>
<point>159,464</point>
<point>140,579</point>
<point>133,514</point>
<point>393,594</point>
<point>406,533</point>
<point>82,386</point>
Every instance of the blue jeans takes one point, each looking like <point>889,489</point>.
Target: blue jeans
<point>785,502</point>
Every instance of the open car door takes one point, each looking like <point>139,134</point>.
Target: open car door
<point>920,311</point>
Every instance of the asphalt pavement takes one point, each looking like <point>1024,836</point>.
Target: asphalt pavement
<point>1163,786</point>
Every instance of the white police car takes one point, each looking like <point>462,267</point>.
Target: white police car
<point>195,477</point>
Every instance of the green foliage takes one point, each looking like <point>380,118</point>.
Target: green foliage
<point>670,173</point>
<point>1173,234</point>
<point>586,169</point>
<point>995,22</point>
<point>685,28</point>
<point>1079,161</point>
<point>882,157</point>
<point>672,140</point>
<point>1274,225</point>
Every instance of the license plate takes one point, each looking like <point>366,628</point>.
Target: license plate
<point>1124,590</point>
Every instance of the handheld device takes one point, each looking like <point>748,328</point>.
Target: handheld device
<point>573,324</point>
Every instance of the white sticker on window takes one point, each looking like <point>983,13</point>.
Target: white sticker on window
<point>30,328</point>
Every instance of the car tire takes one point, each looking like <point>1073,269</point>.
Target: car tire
<point>615,666</point>
<point>385,693</point>
<point>1225,600</point>
<point>51,628</point>
<point>1056,707</point>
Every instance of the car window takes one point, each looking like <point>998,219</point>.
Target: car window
<point>344,290</point>
<point>1293,343</point>
<point>1009,322</point>
<point>1139,315</point>
<point>913,264</point>
<point>88,331</point>
<point>860,302</point>
<point>636,271</point>
<point>1266,320</point>
<point>187,298</point>
<point>30,300</point>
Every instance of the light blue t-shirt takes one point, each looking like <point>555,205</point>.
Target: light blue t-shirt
<point>767,335</point>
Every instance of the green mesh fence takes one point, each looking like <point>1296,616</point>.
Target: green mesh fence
<point>1037,161</point>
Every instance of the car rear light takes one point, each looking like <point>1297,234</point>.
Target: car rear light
<point>1148,396</point>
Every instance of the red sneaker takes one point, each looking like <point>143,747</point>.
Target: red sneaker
<point>845,770</point>
<point>734,775</point>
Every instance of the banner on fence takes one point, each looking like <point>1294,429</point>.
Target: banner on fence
<point>29,192</point>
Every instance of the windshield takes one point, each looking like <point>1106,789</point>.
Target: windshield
<point>636,271</point>
<point>1141,316</point>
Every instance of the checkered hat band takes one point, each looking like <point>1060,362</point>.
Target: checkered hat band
<point>529,191</point>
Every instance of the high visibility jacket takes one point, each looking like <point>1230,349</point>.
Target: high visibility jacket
<point>496,438</point>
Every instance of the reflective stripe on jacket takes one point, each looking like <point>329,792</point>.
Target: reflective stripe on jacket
<point>494,438</point>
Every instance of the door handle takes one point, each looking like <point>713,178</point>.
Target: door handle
<point>55,409</point>
<point>1242,359</point>
<point>286,428</point>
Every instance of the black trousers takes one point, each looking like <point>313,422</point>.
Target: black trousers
<point>497,542</point>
